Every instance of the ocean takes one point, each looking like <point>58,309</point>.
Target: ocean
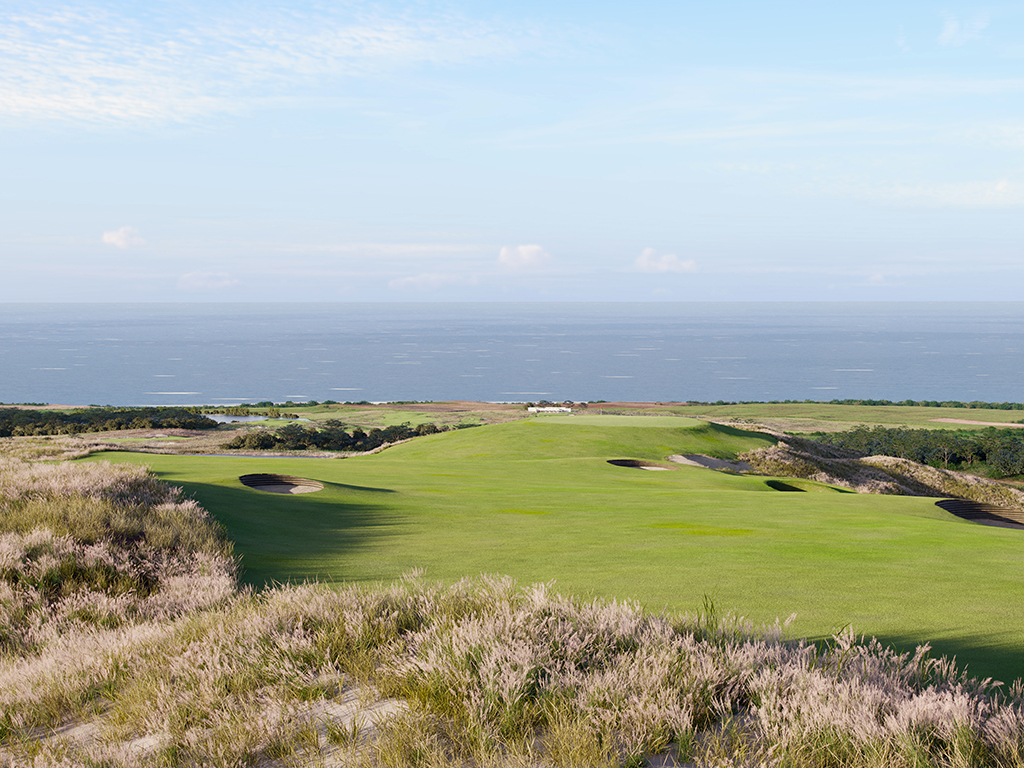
<point>220,354</point>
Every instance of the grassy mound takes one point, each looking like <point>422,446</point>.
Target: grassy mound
<point>483,673</point>
<point>567,437</point>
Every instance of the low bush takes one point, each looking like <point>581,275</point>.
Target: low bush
<point>328,435</point>
<point>25,422</point>
<point>1001,449</point>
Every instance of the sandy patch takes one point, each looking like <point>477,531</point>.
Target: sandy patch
<point>700,460</point>
<point>357,712</point>
<point>354,714</point>
<point>286,488</point>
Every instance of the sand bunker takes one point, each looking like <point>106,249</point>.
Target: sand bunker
<point>281,483</point>
<point>700,460</point>
<point>639,464</point>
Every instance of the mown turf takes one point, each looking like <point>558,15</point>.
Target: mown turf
<point>536,499</point>
<point>808,417</point>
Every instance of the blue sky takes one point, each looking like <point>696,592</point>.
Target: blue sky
<point>556,151</point>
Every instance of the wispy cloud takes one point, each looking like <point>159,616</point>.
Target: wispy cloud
<point>125,237</point>
<point>95,65</point>
<point>386,250</point>
<point>777,106</point>
<point>207,281</point>
<point>1001,193</point>
<point>901,42</point>
<point>430,281</point>
<point>650,261</point>
<point>957,33</point>
<point>1001,134</point>
<point>523,257</point>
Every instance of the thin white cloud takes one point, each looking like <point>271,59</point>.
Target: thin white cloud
<point>1001,193</point>
<point>956,33</point>
<point>207,281</point>
<point>729,105</point>
<point>523,257</point>
<point>93,65</point>
<point>758,168</point>
<point>901,42</point>
<point>650,261</point>
<point>125,237</point>
<point>1003,134</point>
<point>387,250</point>
<point>429,281</point>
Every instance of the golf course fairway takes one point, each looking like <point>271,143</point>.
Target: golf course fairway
<point>536,499</point>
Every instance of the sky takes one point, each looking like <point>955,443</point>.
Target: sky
<point>500,151</point>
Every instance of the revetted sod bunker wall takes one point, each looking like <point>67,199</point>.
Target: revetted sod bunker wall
<point>281,483</point>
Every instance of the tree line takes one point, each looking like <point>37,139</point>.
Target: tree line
<point>329,435</point>
<point>17,422</point>
<point>1001,450</point>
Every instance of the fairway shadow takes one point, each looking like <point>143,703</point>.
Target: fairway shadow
<point>638,464</point>
<point>284,537</point>
<point>981,658</point>
<point>737,432</point>
<point>778,485</point>
<point>360,488</point>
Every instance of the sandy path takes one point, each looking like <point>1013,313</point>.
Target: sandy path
<point>979,423</point>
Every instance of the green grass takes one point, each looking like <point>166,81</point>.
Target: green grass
<point>147,439</point>
<point>807,417</point>
<point>537,500</point>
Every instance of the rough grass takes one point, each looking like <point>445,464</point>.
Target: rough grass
<point>492,674</point>
<point>99,546</point>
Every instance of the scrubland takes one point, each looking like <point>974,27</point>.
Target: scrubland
<point>127,641</point>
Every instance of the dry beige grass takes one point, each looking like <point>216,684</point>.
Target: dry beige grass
<point>798,457</point>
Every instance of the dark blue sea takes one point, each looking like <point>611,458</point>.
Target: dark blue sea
<point>218,354</point>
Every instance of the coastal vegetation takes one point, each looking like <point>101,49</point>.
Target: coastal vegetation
<point>353,626</point>
<point>329,435</point>
<point>28,421</point>
<point>999,452</point>
<point>886,474</point>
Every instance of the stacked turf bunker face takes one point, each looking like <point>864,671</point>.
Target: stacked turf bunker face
<point>272,483</point>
